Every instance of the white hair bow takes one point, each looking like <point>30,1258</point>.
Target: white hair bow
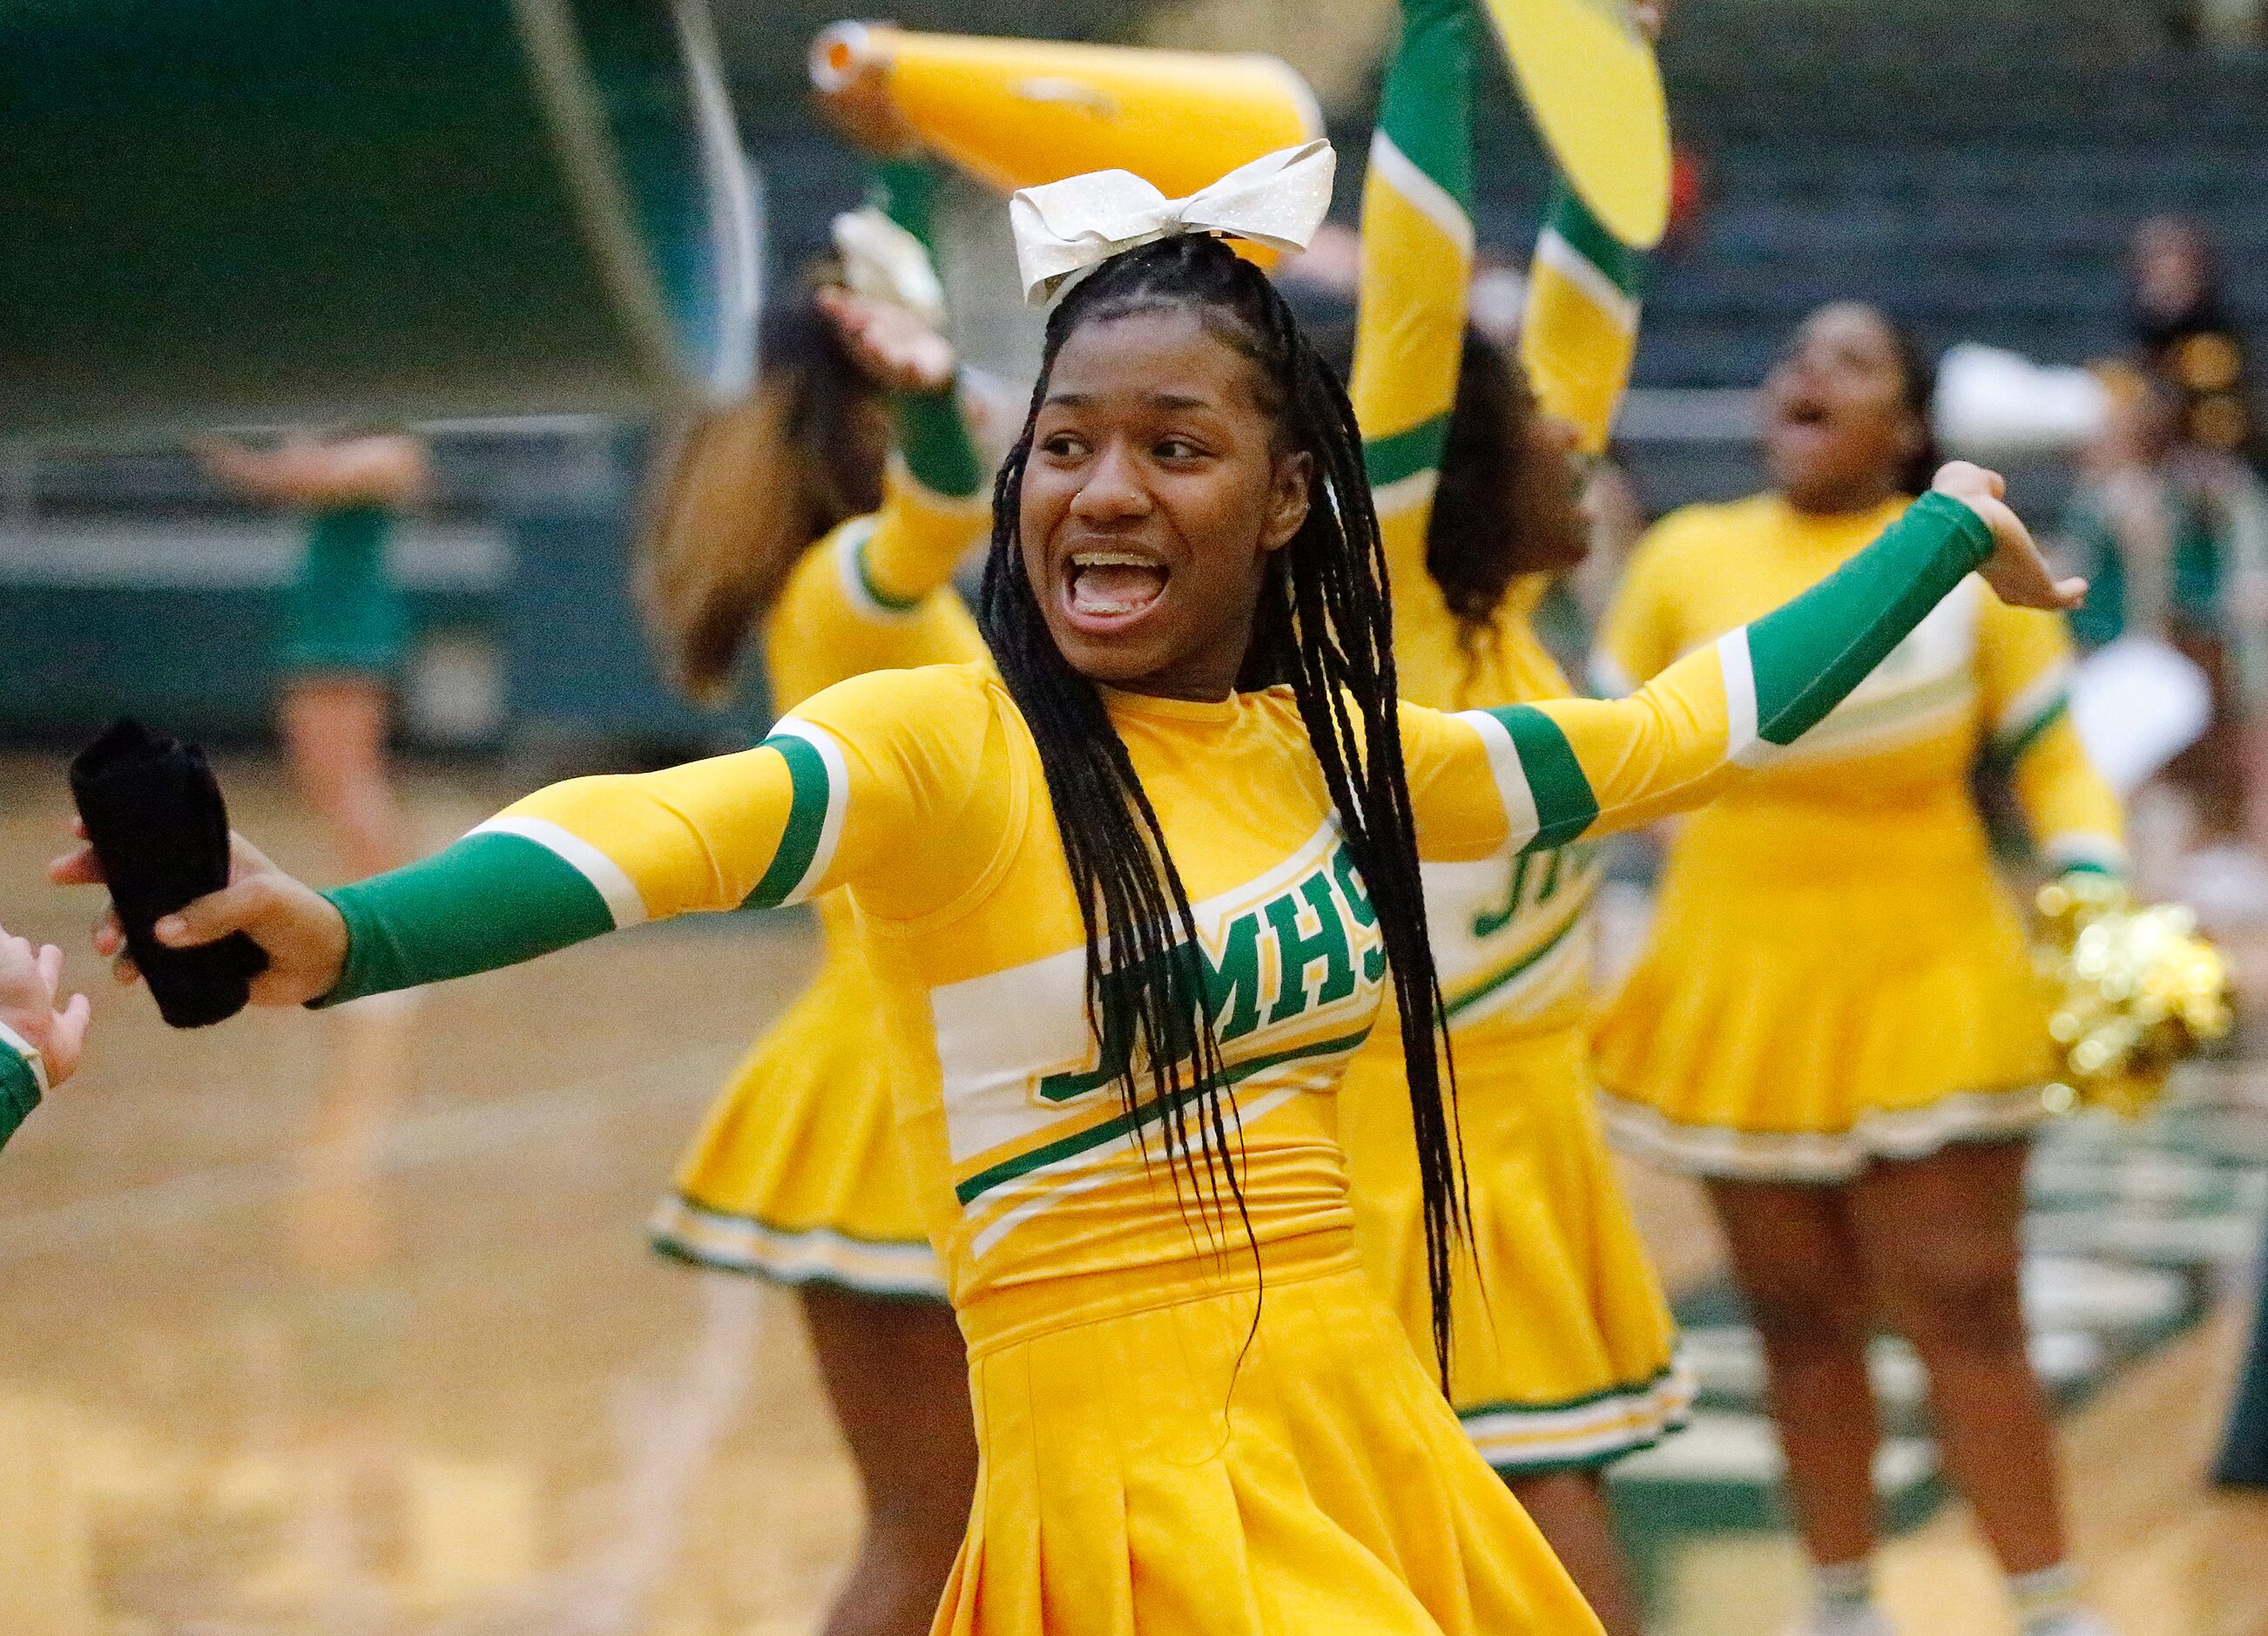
<point>1278,200</point>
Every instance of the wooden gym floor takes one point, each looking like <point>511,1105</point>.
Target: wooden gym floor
<point>344,1323</point>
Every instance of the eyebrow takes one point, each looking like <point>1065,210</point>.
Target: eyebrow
<point>1158,400</point>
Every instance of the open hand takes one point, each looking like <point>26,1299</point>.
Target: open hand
<point>303,936</point>
<point>31,981</point>
<point>2015,570</point>
<point>896,349</point>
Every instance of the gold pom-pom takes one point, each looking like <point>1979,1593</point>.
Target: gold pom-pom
<point>2136,991</point>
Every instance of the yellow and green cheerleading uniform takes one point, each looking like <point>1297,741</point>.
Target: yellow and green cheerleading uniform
<point>1837,974</point>
<point>23,1080</point>
<point>1184,1431</point>
<point>343,614</point>
<point>1564,1352</point>
<point>798,1174</point>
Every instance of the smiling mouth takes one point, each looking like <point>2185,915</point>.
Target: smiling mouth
<point>1112,585</point>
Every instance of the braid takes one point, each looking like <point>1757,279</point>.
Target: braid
<point>1324,628</point>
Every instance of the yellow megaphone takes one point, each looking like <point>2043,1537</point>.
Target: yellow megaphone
<point>1018,112</point>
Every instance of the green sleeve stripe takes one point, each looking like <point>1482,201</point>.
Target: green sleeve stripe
<point>1547,799</point>
<point>493,899</point>
<point>1565,805</point>
<point>858,585</point>
<point>2012,748</point>
<point>815,818</point>
<point>1389,460</point>
<point>2034,709</point>
<point>905,190</point>
<point>1570,219</point>
<point>1808,654</point>
<point>2079,851</point>
<point>933,439</point>
<point>1425,109</point>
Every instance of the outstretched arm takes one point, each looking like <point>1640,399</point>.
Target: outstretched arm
<point>883,776</point>
<point>1570,768</point>
<point>40,1040</point>
<point>360,471</point>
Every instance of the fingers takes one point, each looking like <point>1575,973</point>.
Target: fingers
<point>124,972</point>
<point>110,934</point>
<point>67,1038</point>
<point>76,868</point>
<point>51,968</point>
<point>213,916</point>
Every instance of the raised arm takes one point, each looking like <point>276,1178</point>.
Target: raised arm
<point>1579,333</point>
<point>935,501</point>
<point>1417,265</point>
<point>2024,664</point>
<point>1530,777</point>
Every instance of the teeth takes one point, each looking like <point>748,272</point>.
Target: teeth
<point>1110,559</point>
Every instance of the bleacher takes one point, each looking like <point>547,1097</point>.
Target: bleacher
<point>1976,169</point>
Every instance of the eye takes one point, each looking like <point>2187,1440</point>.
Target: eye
<point>1177,449</point>
<point>1062,446</point>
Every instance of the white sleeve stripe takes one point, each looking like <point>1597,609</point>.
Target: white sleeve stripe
<point>1735,663</point>
<point>2080,846</point>
<point>838,790</point>
<point>2022,713</point>
<point>1572,264</point>
<point>1512,786</point>
<point>1609,679</point>
<point>850,548</point>
<point>1431,200</point>
<point>1404,494</point>
<point>30,1053</point>
<point>605,876</point>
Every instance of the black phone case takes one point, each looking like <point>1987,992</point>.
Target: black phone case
<point>156,819</point>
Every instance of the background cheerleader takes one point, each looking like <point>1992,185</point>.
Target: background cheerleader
<point>1836,1022</point>
<point>1564,1360</point>
<point>345,624</point>
<point>771,519</point>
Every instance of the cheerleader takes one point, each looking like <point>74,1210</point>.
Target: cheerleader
<point>1565,1359</point>
<point>1134,900</point>
<point>798,1175</point>
<point>345,624</point>
<point>1836,1024</point>
<point>39,1042</point>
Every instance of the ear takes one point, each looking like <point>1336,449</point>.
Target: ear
<point>1288,498</point>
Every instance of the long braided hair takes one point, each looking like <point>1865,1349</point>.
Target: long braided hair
<point>1322,627</point>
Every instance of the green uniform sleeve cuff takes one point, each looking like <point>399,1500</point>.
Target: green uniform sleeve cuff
<point>1808,654</point>
<point>491,900</point>
<point>906,190</point>
<point>19,1087</point>
<point>933,440</point>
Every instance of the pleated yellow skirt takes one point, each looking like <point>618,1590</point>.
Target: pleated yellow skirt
<point>1565,1355</point>
<point>1795,1017</point>
<point>1178,1471</point>
<point>798,1174</point>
